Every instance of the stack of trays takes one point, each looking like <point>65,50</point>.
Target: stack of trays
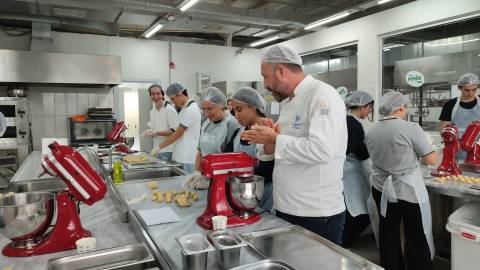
<point>100,113</point>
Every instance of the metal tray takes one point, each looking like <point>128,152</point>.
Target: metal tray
<point>303,249</point>
<point>265,264</point>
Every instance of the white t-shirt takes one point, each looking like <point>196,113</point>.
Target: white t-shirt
<point>186,146</point>
<point>163,119</point>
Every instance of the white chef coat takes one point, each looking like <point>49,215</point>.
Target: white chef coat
<point>310,152</point>
<point>185,149</point>
<point>165,118</point>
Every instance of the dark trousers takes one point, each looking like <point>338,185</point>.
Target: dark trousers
<point>417,252</point>
<point>354,226</point>
<point>329,228</point>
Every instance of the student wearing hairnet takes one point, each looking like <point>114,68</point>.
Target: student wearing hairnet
<point>187,133</point>
<point>356,169</point>
<point>398,192</point>
<point>249,109</point>
<point>308,142</point>
<point>215,132</point>
<point>163,121</point>
<point>464,109</point>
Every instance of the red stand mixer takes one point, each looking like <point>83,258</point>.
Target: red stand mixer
<point>84,185</point>
<point>115,135</point>
<point>449,164</point>
<point>469,143</point>
<point>234,191</point>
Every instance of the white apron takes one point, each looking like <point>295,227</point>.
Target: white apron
<point>414,180</point>
<point>462,118</point>
<point>356,185</point>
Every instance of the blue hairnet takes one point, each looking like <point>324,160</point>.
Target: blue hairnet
<point>215,96</point>
<point>468,79</point>
<point>358,98</point>
<point>281,54</point>
<point>174,89</point>
<point>250,97</point>
<point>391,102</point>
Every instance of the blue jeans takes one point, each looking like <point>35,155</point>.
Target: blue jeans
<point>165,156</point>
<point>188,167</point>
<point>267,200</point>
<point>329,228</point>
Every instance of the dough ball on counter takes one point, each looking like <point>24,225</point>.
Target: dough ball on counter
<point>152,185</point>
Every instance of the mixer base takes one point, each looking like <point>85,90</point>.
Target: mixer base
<point>205,221</point>
<point>66,232</point>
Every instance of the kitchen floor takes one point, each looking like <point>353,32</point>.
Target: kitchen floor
<point>366,247</point>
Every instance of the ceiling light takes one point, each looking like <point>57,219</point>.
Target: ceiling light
<point>263,41</point>
<point>263,33</point>
<point>387,48</point>
<point>327,20</point>
<point>187,4</point>
<point>153,30</point>
<point>383,1</point>
<point>458,42</point>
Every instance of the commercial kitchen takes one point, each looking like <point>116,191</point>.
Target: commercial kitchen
<point>110,115</point>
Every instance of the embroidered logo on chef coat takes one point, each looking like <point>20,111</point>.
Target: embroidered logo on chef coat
<point>324,110</point>
<point>296,122</point>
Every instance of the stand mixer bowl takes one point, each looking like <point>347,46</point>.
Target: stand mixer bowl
<point>24,217</point>
<point>244,193</point>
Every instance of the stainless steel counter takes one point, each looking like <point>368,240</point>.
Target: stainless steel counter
<point>452,189</point>
<point>100,218</point>
<point>163,235</point>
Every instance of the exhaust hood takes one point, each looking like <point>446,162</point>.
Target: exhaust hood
<point>33,68</point>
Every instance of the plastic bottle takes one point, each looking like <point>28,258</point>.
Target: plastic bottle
<point>117,172</point>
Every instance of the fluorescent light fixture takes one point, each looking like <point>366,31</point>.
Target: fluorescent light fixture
<point>387,48</point>
<point>383,1</point>
<point>458,42</point>
<point>263,33</point>
<point>153,30</point>
<point>263,41</point>
<point>327,20</point>
<point>187,4</point>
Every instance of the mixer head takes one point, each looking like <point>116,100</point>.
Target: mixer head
<point>227,164</point>
<point>68,164</point>
<point>115,135</point>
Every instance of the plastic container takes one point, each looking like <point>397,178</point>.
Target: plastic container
<point>464,226</point>
<point>219,222</point>
<point>117,172</point>
<point>86,244</point>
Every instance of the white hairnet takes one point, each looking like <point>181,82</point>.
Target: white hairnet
<point>391,102</point>
<point>468,79</point>
<point>250,97</point>
<point>174,89</point>
<point>358,98</point>
<point>215,96</point>
<point>281,54</point>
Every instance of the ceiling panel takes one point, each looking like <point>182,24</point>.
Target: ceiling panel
<point>136,19</point>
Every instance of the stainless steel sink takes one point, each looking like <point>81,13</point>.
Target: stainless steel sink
<point>265,264</point>
<point>165,172</point>
<point>53,185</point>
<point>130,257</point>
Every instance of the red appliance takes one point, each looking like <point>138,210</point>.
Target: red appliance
<point>218,167</point>
<point>470,143</point>
<point>84,185</point>
<point>115,135</point>
<point>449,165</point>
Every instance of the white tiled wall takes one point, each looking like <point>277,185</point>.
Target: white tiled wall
<point>50,108</point>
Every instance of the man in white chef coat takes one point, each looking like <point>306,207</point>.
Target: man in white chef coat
<point>309,143</point>
<point>163,121</point>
